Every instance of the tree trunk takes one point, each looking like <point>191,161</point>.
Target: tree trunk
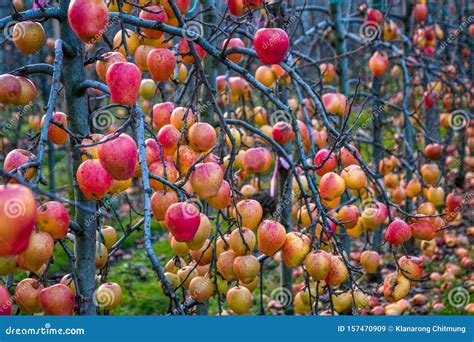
<point>77,115</point>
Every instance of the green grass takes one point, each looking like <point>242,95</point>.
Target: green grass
<point>142,293</point>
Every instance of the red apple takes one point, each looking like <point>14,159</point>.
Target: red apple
<point>88,19</point>
<point>182,5</point>
<point>378,63</point>
<point>160,202</point>
<point>17,218</point>
<point>10,89</point>
<point>454,202</point>
<point>237,43</point>
<point>430,99</point>
<point>335,103</point>
<point>27,295</point>
<point>338,272</point>
<point>53,218</point>
<point>433,151</point>
<point>124,79</point>
<point>250,213</point>
<point>398,232</point>
<point>156,14</point>
<point>331,186</point>
<point>17,158</point>
<point>346,156</point>
<point>153,152</point>
<point>161,169</point>
<point>118,155</point>
<point>28,91</point>
<point>349,216</point>
<point>325,161</point>
<point>246,268</point>
<point>162,113</point>
<point>320,138</point>
<point>182,220</point>
<point>161,63</point>
<point>370,261</point>
<point>202,136</point>
<point>40,249</point>
<point>93,179</point>
<point>282,132</point>
<point>271,45</point>
<point>238,86</point>
<point>206,179</point>
<point>6,302</point>
<point>253,4</point>
<point>257,160</point>
<point>374,16</point>
<point>56,134</point>
<point>318,264</point>
<point>223,198</point>
<point>185,52</point>
<point>57,300</point>
<point>168,136</point>
<point>422,228</point>
<point>271,236</point>
<point>420,11</point>
<point>235,7</point>
<point>105,61</point>
<point>221,83</point>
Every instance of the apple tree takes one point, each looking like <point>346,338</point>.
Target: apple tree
<point>325,146</point>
